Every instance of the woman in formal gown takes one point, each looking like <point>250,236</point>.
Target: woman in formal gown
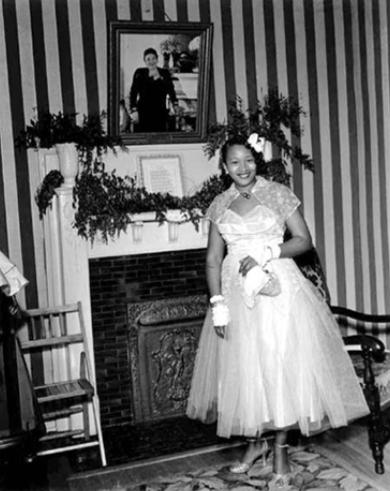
<point>270,355</point>
<point>150,89</point>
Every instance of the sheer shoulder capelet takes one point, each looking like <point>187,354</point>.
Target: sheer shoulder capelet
<point>273,195</point>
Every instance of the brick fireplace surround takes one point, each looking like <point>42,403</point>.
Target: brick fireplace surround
<point>116,283</point>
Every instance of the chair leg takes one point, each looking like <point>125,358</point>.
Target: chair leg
<point>378,432</point>
<point>95,407</point>
<point>377,453</point>
<point>86,425</point>
<point>85,404</point>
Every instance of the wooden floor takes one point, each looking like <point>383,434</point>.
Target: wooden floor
<point>147,470</point>
<point>347,446</point>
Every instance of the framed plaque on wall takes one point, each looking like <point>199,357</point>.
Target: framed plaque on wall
<point>161,174</point>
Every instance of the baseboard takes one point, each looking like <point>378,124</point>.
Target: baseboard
<point>157,460</point>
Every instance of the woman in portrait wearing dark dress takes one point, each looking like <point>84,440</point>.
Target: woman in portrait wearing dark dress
<point>148,95</point>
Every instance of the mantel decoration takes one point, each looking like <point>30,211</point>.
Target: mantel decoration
<point>105,203</point>
<point>46,130</point>
<point>76,144</point>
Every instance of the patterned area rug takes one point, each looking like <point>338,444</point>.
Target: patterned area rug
<point>311,472</point>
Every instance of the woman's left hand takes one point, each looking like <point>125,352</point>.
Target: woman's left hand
<point>134,117</point>
<point>220,331</point>
<point>154,73</point>
<point>246,264</point>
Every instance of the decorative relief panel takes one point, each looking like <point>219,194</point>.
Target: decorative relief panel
<point>163,338</point>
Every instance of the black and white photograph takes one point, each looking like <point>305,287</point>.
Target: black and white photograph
<point>194,245</point>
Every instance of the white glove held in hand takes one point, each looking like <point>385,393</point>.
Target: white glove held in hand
<point>263,255</point>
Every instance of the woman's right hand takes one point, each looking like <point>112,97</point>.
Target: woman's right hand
<point>220,331</point>
<point>220,314</point>
<point>246,264</point>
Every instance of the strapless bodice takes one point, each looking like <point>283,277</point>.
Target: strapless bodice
<point>256,228</point>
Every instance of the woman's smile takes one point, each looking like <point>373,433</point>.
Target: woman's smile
<point>241,166</point>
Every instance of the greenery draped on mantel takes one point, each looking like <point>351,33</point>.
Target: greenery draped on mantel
<point>105,203</point>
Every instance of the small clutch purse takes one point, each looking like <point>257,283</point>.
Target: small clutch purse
<point>261,282</point>
<point>272,288</point>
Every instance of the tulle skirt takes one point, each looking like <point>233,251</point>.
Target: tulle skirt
<point>282,363</point>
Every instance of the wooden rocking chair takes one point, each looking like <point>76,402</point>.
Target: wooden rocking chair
<point>57,343</point>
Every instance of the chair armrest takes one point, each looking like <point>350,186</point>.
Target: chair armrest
<point>371,349</point>
<point>382,320</point>
<point>366,343</point>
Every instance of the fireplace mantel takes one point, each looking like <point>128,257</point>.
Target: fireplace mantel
<point>67,255</point>
<point>146,236</point>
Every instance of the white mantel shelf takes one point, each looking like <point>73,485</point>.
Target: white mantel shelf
<point>153,237</point>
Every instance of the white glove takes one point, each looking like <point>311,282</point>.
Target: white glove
<point>265,255</point>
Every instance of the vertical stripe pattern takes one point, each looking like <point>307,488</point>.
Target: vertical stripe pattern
<point>354,239</point>
<point>335,148</point>
<point>22,175</point>
<point>331,55</point>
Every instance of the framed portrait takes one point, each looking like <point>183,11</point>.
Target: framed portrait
<point>160,174</point>
<point>159,77</point>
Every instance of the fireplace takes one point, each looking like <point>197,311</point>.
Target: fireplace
<point>149,261</point>
<point>147,312</point>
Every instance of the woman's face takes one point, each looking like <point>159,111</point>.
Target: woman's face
<point>241,166</point>
<point>150,60</point>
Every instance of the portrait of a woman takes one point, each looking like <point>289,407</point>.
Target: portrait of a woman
<point>151,90</point>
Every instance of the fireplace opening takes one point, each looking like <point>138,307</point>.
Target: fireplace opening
<point>147,314</point>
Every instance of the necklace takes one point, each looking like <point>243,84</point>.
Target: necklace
<point>245,195</point>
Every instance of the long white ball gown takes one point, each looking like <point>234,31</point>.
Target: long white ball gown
<point>282,362</point>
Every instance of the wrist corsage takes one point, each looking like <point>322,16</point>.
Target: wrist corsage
<point>219,311</point>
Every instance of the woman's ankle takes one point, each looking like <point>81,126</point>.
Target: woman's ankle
<point>256,447</point>
<point>281,464</point>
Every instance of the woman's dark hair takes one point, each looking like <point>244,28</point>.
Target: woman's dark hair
<point>230,142</point>
<point>236,140</point>
<point>150,51</point>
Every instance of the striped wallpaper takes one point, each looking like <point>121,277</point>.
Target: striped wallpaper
<point>331,54</point>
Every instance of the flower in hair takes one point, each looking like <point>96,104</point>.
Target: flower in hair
<point>256,142</point>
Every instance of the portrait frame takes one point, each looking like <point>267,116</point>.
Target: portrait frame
<point>184,51</point>
<point>160,173</point>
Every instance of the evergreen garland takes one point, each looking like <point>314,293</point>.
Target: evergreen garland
<point>105,203</point>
